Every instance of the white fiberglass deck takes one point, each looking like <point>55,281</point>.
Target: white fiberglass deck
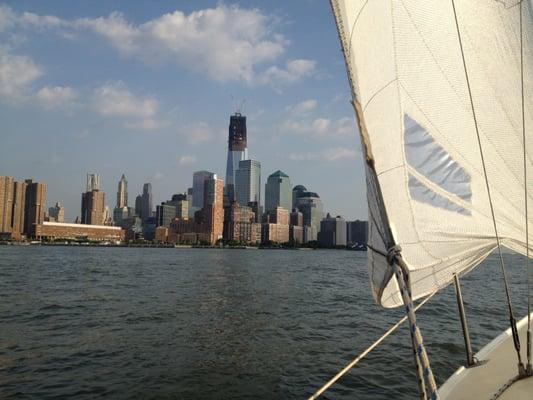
<point>485,381</point>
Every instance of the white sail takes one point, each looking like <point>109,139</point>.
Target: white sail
<point>426,186</point>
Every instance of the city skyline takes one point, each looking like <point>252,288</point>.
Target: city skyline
<point>159,122</point>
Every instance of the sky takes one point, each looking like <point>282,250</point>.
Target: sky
<point>146,88</point>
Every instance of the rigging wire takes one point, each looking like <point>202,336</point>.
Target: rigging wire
<point>528,284</point>
<point>356,360</point>
<point>512,319</point>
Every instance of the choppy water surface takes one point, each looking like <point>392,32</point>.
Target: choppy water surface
<point>211,324</point>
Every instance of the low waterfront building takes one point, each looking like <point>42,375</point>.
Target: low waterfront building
<point>57,230</point>
<point>161,234</point>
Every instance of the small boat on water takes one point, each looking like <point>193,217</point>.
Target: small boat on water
<point>442,92</point>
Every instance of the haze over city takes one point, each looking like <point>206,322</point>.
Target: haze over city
<point>110,91</point>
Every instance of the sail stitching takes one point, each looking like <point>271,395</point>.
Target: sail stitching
<point>349,53</point>
<point>516,129</point>
<point>420,362</point>
<point>446,77</point>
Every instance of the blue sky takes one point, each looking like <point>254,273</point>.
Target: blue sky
<point>145,88</point>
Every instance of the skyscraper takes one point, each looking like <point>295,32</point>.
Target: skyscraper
<point>147,205</point>
<point>278,192</point>
<point>332,231</point>
<point>138,205</point>
<point>198,184</point>
<point>248,182</point>
<point>93,208</point>
<point>34,206</point>
<point>93,182</point>
<point>237,151</point>
<point>164,214</point>
<point>296,193</point>
<point>122,193</point>
<point>181,203</point>
<point>57,213</point>
<point>310,205</point>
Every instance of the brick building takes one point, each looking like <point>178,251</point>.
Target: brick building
<point>276,226</point>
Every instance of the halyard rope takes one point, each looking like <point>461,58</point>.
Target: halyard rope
<point>512,319</point>
<point>525,194</point>
<point>356,360</point>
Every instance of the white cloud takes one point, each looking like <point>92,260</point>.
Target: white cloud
<point>319,126</point>
<point>304,107</point>
<point>7,17</point>
<point>346,126</point>
<point>295,71</point>
<point>52,96</point>
<point>29,19</point>
<point>339,153</point>
<point>115,99</point>
<point>186,160</point>
<point>329,155</point>
<point>226,43</point>
<point>17,73</point>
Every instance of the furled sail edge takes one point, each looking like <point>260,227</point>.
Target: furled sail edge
<point>385,233</point>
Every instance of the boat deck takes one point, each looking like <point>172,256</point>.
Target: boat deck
<point>486,381</point>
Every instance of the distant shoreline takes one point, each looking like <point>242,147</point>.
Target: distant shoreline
<point>166,246</point>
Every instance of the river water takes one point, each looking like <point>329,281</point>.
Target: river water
<point>121,323</point>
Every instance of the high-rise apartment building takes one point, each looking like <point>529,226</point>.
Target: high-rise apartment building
<point>19,204</point>
<point>276,227</point>
<point>240,225</point>
<point>237,151</point>
<point>7,187</point>
<point>57,213</point>
<point>35,201</point>
<point>93,208</point>
<point>248,182</point>
<point>278,192</point>
<point>93,182</point>
<point>122,193</point>
<point>198,185</point>
<point>213,211</point>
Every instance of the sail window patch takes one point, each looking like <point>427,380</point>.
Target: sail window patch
<point>422,193</point>
<point>432,161</point>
